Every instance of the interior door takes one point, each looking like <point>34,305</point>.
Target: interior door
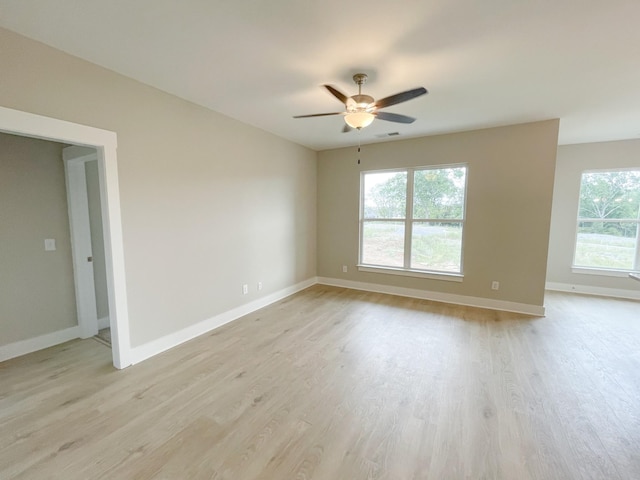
<point>78,202</point>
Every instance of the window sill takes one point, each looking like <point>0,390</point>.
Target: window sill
<point>447,277</point>
<point>602,272</point>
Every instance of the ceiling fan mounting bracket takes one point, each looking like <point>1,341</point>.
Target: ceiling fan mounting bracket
<point>360,79</point>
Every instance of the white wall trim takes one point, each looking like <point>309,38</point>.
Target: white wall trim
<point>150,349</point>
<point>30,345</point>
<point>491,304</point>
<point>588,290</point>
<point>103,323</point>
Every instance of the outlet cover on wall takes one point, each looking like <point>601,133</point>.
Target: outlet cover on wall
<point>49,244</point>
<point>495,285</point>
<point>245,289</point>
<point>344,269</point>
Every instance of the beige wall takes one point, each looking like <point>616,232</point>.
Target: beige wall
<point>510,184</point>
<point>572,161</point>
<point>208,203</point>
<point>36,286</point>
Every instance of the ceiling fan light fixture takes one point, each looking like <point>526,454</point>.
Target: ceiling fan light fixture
<point>359,120</point>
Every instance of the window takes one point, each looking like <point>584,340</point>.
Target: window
<point>608,221</point>
<point>412,219</point>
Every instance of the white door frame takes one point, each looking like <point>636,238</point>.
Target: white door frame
<point>74,158</point>
<point>105,143</point>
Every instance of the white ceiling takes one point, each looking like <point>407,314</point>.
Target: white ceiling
<point>485,63</point>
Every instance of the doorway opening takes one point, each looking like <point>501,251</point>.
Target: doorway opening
<point>104,142</point>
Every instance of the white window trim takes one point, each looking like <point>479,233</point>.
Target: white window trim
<point>605,272</point>
<point>432,274</point>
<point>408,221</point>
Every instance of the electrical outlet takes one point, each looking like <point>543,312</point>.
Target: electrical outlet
<point>245,289</point>
<point>259,286</point>
<point>495,285</point>
<point>344,269</point>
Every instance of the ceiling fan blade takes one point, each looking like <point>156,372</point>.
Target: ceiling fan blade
<point>400,97</point>
<point>346,128</point>
<point>318,115</point>
<point>394,117</point>
<point>337,93</point>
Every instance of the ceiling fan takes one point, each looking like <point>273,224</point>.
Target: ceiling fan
<point>361,109</point>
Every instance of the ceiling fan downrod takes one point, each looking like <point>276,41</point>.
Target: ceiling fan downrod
<point>362,102</point>
<point>360,79</point>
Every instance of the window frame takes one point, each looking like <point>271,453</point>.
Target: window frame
<point>409,221</point>
<point>605,271</point>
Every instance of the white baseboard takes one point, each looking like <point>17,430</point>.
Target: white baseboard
<point>588,290</point>
<point>148,350</point>
<point>103,323</point>
<point>501,305</point>
<point>30,345</point>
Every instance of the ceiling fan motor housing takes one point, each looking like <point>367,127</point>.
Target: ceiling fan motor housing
<point>360,102</point>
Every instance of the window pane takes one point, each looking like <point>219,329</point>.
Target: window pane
<point>436,246</point>
<point>385,195</point>
<point>439,193</point>
<point>383,243</point>
<point>610,195</point>
<point>606,245</point>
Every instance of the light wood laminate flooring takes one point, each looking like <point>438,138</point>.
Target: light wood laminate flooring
<point>333,384</point>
